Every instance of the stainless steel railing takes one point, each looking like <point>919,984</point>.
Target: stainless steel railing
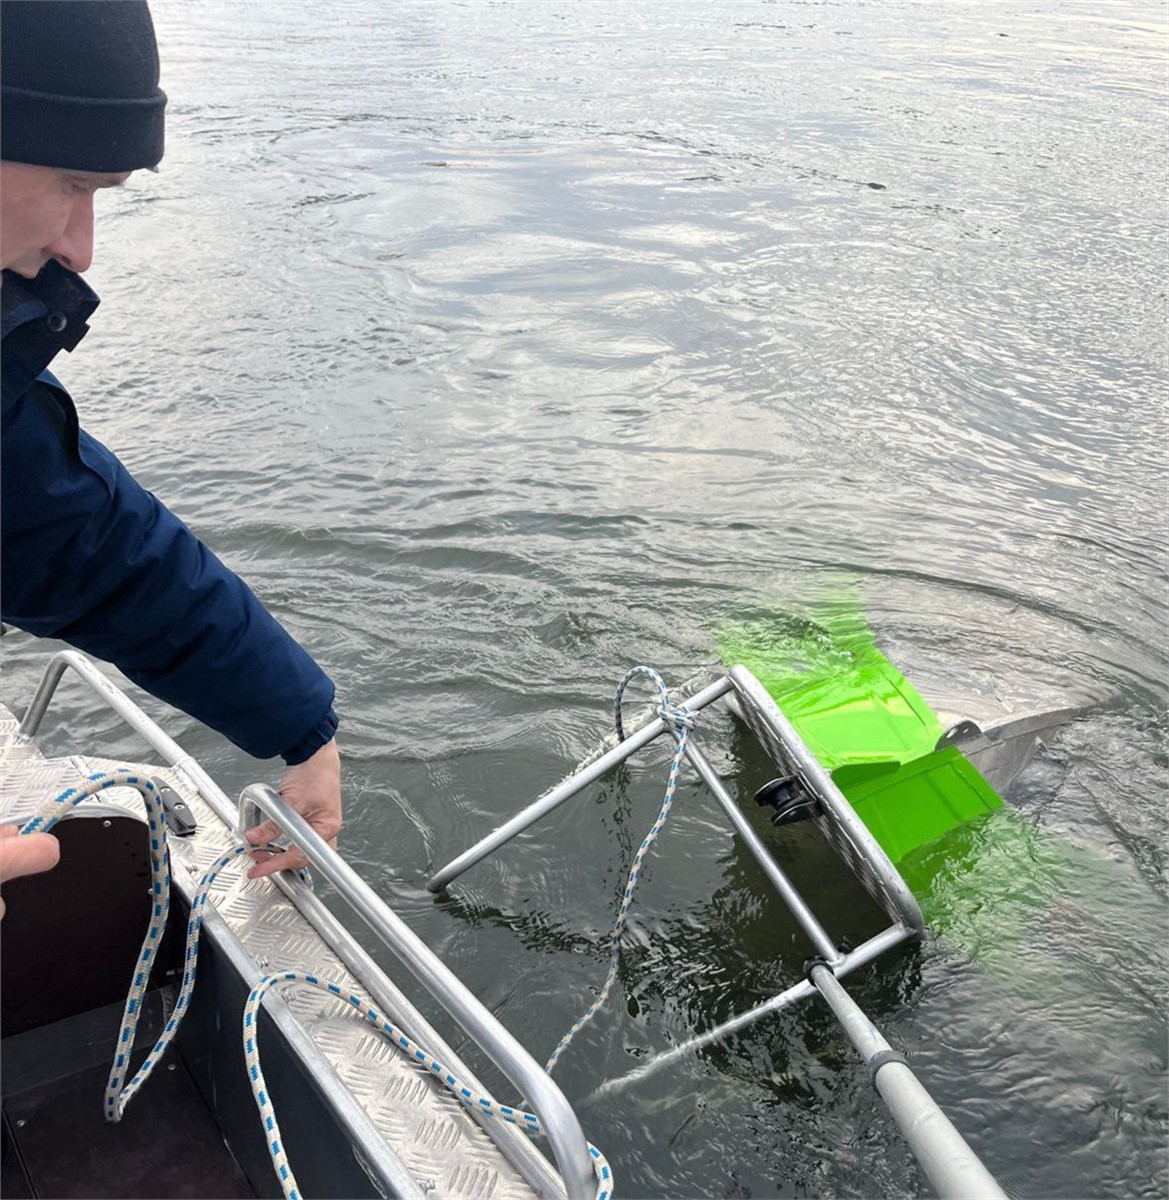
<point>556,1115</point>
<point>565,1136</point>
<point>116,699</point>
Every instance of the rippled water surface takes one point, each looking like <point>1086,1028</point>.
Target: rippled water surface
<point>504,345</point>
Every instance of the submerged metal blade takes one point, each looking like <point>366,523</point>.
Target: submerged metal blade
<point>1001,749</point>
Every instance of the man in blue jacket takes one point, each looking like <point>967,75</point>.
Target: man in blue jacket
<point>89,556</point>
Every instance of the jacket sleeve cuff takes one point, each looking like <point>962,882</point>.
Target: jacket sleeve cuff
<point>319,736</point>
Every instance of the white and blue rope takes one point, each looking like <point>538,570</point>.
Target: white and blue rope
<point>118,1093</point>
<point>682,721</point>
<point>472,1099</point>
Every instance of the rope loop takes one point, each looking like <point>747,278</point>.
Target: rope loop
<point>121,1088</point>
<point>682,721</point>
<point>118,1089</point>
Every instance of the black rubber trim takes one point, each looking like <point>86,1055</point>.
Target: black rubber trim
<point>882,1059</point>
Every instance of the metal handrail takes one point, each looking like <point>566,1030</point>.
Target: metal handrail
<point>368,1141</point>
<point>557,1118</point>
<point>560,1123</point>
<point>158,740</point>
<point>515,1145</point>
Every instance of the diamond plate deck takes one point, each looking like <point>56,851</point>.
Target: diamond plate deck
<point>446,1152</point>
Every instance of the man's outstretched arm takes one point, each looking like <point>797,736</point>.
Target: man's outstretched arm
<point>92,558</point>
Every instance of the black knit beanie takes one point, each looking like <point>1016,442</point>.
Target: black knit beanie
<point>79,85</point>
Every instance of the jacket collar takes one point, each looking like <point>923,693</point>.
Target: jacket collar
<point>54,293</point>
<point>39,318</point>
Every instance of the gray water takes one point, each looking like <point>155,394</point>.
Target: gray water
<point>504,345</point>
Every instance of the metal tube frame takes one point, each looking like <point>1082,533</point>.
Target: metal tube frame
<point>949,1162</point>
<point>774,872</point>
<point>560,1122</point>
<point>861,956</point>
<point>784,743</point>
<point>568,788</point>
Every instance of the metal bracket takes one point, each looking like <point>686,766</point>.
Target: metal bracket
<point>180,820</point>
<point>790,801</point>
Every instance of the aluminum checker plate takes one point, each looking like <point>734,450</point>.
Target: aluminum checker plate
<point>445,1151</point>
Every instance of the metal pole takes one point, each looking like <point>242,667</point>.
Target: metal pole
<point>953,1168</point>
<point>556,1115</point>
<point>569,788</point>
<point>774,872</point>
<point>44,693</point>
<point>864,953</point>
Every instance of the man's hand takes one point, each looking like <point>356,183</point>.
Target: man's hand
<point>25,855</point>
<point>313,789</point>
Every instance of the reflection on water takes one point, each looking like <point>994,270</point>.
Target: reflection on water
<point>505,346</point>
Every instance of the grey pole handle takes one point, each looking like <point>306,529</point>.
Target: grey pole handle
<point>953,1168</point>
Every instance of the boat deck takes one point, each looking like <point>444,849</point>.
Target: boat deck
<point>442,1150</point>
<point>167,1145</point>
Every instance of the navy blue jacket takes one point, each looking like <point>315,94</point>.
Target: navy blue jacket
<point>91,557</point>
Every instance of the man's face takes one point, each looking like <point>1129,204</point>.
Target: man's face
<point>47,212</point>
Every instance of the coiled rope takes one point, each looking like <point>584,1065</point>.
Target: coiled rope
<point>682,720</point>
<point>118,1093</point>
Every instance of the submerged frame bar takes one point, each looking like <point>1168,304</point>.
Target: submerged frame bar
<point>861,956</point>
<point>848,837</point>
<point>569,788</point>
<point>774,872</point>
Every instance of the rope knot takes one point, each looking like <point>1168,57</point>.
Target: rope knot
<point>678,716</point>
